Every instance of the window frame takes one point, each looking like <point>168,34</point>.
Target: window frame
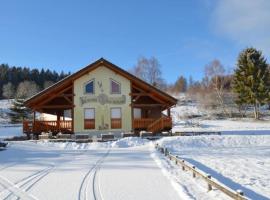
<point>120,119</point>
<point>112,80</point>
<point>89,120</point>
<point>84,86</point>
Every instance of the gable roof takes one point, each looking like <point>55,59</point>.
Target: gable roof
<point>100,62</point>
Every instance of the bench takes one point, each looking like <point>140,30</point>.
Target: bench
<point>107,137</point>
<point>128,135</point>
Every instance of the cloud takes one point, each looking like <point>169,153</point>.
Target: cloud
<point>245,22</point>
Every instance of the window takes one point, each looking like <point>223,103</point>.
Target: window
<point>89,118</point>
<point>89,87</point>
<point>116,118</point>
<point>137,113</point>
<point>115,87</point>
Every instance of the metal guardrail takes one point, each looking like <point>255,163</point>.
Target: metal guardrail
<point>237,195</point>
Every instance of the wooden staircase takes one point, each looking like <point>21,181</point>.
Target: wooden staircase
<point>163,123</point>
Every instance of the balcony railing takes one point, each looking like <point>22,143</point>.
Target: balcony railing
<point>47,126</point>
<point>142,123</point>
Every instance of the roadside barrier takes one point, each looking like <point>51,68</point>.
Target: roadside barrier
<point>186,166</point>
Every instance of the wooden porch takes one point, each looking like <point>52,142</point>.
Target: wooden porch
<point>39,126</point>
<point>163,123</point>
<point>56,126</point>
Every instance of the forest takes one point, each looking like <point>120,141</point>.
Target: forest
<point>23,82</point>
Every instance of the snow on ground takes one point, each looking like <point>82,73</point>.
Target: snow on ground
<point>43,170</point>
<point>130,168</point>
<point>4,109</point>
<point>238,161</point>
<point>225,126</point>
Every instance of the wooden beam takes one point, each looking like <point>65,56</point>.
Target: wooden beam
<point>138,94</point>
<point>66,98</point>
<point>137,88</point>
<point>54,95</point>
<point>146,105</point>
<point>55,106</point>
<point>146,93</point>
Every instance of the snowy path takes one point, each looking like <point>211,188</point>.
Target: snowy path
<point>34,171</point>
<point>132,174</point>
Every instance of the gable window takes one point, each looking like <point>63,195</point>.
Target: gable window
<point>115,87</point>
<point>89,118</point>
<point>116,118</point>
<point>89,87</point>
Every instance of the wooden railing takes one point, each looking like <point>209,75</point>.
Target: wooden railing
<point>142,123</point>
<point>160,124</point>
<point>46,126</point>
<point>153,125</point>
<point>211,182</point>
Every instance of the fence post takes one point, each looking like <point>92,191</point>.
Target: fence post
<point>166,152</point>
<point>183,165</point>
<point>240,194</point>
<point>176,157</point>
<point>161,149</point>
<point>209,185</point>
<point>193,171</point>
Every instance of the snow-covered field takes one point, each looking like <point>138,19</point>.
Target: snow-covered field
<point>115,170</point>
<point>227,126</point>
<point>4,109</point>
<point>238,161</point>
<point>130,168</point>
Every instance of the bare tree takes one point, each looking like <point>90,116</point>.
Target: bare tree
<point>214,78</point>
<point>8,90</point>
<point>27,89</point>
<point>149,70</point>
<point>47,84</point>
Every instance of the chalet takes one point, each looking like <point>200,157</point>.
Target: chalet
<point>100,98</point>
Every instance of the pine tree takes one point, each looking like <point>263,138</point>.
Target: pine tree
<point>251,80</point>
<point>18,111</point>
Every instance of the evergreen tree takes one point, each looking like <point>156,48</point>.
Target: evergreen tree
<point>18,111</point>
<point>17,75</point>
<point>251,80</point>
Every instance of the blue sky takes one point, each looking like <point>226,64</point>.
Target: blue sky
<point>184,35</point>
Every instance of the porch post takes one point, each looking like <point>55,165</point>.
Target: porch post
<point>169,112</point>
<point>58,120</point>
<point>34,121</point>
<point>72,109</point>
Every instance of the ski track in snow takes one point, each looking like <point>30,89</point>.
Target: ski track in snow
<point>126,169</point>
<point>20,188</point>
<point>30,170</point>
<point>90,177</point>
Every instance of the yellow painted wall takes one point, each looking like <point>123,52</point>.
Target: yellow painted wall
<point>102,75</point>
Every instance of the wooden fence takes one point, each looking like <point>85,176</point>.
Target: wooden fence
<point>237,195</point>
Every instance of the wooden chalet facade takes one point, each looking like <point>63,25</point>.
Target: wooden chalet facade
<point>100,98</point>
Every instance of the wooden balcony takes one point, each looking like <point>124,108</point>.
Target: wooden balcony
<point>47,126</point>
<point>142,123</point>
<point>153,125</point>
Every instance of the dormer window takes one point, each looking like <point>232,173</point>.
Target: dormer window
<point>115,87</point>
<point>89,87</point>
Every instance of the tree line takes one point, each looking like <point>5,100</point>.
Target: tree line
<point>23,82</point>
<point>229,94</point>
